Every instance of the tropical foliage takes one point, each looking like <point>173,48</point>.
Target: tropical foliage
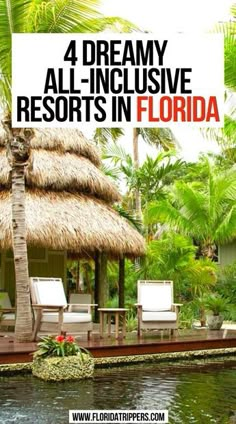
<point>59,346</point>
<point>188,209</point>
<point>215,304</point>
<point>205,210</point>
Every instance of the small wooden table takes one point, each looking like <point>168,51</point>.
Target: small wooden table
<point>117,313</point>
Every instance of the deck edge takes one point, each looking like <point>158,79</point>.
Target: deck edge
<point>16,368</point>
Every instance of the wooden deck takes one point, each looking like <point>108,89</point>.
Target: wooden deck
<point>150,343</point>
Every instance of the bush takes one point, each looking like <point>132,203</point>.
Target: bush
<point>131,320</point>
<point>226,287</point>
<point>60,358</point>
<point>58,346</point>
<point>187,315</point>
<point>215,304</point>
<point>226,284</point>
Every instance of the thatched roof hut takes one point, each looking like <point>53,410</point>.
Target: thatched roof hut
<point>68,199</point>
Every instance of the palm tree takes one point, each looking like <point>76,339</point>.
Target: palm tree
<point>151,179</point>
<point>205,211</point>
<point>229,30</point>
<point>18,142</point>
<point>163,138</point>
<point>30,16</point>
<point>225,136</point>
<point>160,137</point>
<point>230,79</point>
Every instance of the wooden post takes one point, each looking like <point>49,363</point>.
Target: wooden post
<point>96,283</point>
<point>103,281</point>
<point>100,289</point>
<point>77,277</point>
<point>121,283</point>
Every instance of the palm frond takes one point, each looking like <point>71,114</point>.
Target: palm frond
<point>102,136</point>
<point>115,24</point>
<point>165,213</point>
<point>133,220</point>
<point>58,16</point>
<point>111,172</point>
<point>170,256</point>
<point>202,273</point>
<point>155,175</point>
<point>226,230</point>
<point>160,137</point>
<point>225,187</point>
<point>116,153</point>
<point>192,204</point>
<point>13,16</point>
<point>66,16</point>
<point>230,56</point>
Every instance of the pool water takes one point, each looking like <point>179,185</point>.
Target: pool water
<point>192,394</point>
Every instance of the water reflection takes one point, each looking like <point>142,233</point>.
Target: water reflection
<point>192,395</point>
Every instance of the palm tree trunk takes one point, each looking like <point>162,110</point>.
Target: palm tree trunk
<point>138,207</point>
<point>23,327</point>
<point>208,250</point>
<point>18,154</point>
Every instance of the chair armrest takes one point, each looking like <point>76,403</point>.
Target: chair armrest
<point>36,306</point>
<point>83,304</point>
<point>138,305</point>
<point>38,309</point>
<point>4,310</point>
<point>176,307</point>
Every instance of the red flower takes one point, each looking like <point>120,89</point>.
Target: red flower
<point>60,339</point>
<point>70,339</point>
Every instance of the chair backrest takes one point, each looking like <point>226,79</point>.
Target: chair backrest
<point>47,291</point>
<point>155,295</point>
<point>5,300</point>
<point>81,298</point>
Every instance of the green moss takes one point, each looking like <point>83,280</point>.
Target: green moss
<point>162,357</point>
<point>65,368</point>
<point>12,369</point>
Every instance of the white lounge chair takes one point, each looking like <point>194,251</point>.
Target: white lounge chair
<point>51,311</point>
<point>156,309</point>
<point>7,312</point>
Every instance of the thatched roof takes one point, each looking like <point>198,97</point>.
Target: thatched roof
<point>62,140</point>
<point>68,198</point>
<point>55,170</point>
<point>74,222</point>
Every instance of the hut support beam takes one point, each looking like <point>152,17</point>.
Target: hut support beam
<point>121,283</point>
<point>96,283</point>
<point>103,290</point>
<point>77,277</point>
<point>100,290</point>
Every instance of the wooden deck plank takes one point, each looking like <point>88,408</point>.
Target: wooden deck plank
<point>12,352</point>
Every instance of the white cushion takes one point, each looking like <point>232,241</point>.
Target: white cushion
<point>8,317</point>
<point>155,297</point>
<point>68,317</point>
<point>159,316</point>
<point>49,292</point>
